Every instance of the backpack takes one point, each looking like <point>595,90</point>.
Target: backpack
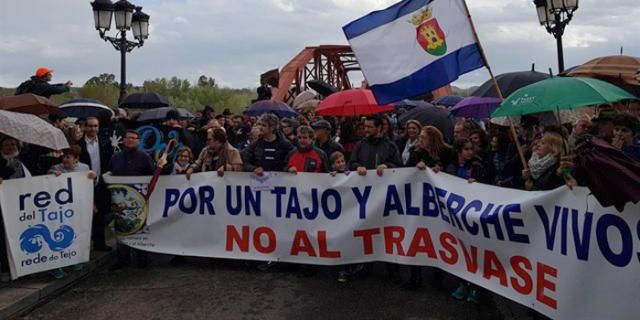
<point>25,87</point>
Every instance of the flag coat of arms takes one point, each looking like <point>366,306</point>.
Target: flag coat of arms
<point>414,47</point>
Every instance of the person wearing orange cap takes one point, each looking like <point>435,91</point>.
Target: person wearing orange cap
<point>39,84</point>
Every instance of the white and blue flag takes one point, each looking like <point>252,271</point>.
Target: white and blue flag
<point>414,47</point>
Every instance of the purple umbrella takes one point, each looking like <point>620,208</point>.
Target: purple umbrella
<point>271,106</point>
<point>475,107</point>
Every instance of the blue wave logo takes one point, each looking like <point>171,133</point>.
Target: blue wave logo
<point>32,239</point>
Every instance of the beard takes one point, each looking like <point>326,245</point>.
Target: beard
<point>11,156</point>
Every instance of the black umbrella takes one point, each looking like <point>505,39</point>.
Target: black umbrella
<point>322,87</point>
<point>161,114</point>
<point>410,104</point>
<point>509,83</point>
<point>432,116</point>
<point>84,108</point>
<point>144,100</point>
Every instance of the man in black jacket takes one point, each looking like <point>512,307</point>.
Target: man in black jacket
<point>96,152</point>
<point>322,130</point>
<point>375,151</point>
<point>39,84</point>
<point>270,152</point>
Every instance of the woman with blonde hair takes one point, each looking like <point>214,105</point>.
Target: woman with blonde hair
<point>409,140</point>
<point>544,171</point>
<point>431,150</point>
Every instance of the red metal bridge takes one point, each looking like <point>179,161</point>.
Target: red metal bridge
<point>329,63</point>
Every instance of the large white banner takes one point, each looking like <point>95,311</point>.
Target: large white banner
<point>47,220</point>
<point>558,252</point>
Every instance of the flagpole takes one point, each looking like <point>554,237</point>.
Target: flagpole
<point>495,84</point>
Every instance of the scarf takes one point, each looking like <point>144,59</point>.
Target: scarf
<point>538,166</point>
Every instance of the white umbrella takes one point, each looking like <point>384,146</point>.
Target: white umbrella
<point>302,98</point>
<point>32,129</point>
<point>308,105</point>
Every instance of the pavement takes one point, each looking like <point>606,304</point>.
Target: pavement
<point>24,294</point>
<point>232,289</point>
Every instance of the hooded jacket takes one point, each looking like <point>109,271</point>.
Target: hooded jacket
<point>41,87</point>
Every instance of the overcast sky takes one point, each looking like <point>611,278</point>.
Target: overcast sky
<point>234,41</point>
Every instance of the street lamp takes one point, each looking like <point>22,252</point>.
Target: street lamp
<point>555,15</point>
<point>126,19</point>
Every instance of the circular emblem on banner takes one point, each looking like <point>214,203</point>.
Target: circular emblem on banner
<point>128,209</point>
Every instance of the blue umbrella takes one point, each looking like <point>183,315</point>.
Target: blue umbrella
<point>84,108</point>
<point>271,106</point>
<point>447,101</point>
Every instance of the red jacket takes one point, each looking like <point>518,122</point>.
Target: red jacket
<point>313,160</point>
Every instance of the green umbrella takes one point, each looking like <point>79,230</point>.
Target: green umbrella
<point>560,93</point>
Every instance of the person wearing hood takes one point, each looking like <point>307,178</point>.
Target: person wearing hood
<point>375,151</point>
<point>39,84</point>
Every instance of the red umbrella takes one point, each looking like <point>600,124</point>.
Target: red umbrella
<point>354,102</point>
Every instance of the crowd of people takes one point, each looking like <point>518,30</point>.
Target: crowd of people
<point>480,152</point>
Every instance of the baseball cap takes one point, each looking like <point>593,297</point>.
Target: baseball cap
<point>40,72</point>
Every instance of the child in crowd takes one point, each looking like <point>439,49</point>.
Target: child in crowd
<point>70,163</point>
<point>338,164</point>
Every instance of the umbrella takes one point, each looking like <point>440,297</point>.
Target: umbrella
<point>32,129</point>
<point>432,116</point>
<point>410,104</point>
<point>448,101</point>
<point>302,98</point>
<point>84,108</point>
<point>475,107</point>
<point>144,100</point>
<point>270,106</point>
<point>322,87</point>
<point>308,105</point>
<point>509,83</point>
<point>353,102</point>
<point>612,67</point>
<point>560,93</point>
<point>28,103</point>
<point>550,118</point>
<point>621,170</point>
<point>161,114</point>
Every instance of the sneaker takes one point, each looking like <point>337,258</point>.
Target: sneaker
<point>343,276</point>
<point>5,277</point>
<point>58,273</point>
<point>474,296</point>
<point>77,267</point>
<point>462,292</point>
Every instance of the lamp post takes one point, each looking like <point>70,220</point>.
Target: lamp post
<point>125,19</point>
<point>555,15</point>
